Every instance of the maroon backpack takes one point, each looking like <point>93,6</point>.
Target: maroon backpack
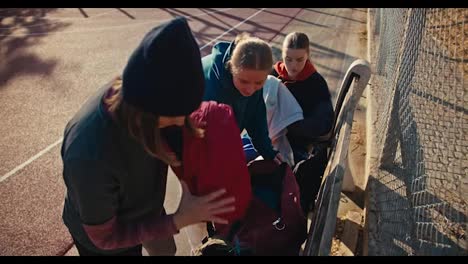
<point>274,223</point>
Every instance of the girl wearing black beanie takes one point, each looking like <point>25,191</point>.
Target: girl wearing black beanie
<point>116,154</point>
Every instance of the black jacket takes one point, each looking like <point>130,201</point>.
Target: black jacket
<point>313,96</point>
<point>108,174</point>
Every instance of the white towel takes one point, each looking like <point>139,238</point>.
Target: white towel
<point>282,110</point>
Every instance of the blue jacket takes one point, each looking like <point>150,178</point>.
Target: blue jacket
<point>250,111</point>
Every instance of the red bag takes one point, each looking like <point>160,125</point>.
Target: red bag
<point>217,160</point>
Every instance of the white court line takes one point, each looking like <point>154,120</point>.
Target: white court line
<point>42,152</point>
<point>33,158</point>
<point>240,23</point>
<point>148,21</point>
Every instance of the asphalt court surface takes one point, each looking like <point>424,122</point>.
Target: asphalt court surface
<point>54,59</point>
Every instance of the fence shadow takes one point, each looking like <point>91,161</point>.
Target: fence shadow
<point>412,218</point>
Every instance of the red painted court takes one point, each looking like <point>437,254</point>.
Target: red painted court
<point>53,59</point>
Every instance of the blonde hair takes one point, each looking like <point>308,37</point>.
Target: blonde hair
<point>250,53</point>
<point>142,126</point>
<point>296,40</point>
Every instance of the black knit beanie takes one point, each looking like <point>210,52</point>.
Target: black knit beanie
<point>164,74</point>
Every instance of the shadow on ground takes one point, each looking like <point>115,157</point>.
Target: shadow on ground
<point>21,29</point>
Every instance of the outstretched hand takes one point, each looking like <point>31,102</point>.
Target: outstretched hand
<point>195,209</point>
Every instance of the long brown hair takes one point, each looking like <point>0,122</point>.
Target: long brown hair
<point>141,125</point>
<point>250,53</point>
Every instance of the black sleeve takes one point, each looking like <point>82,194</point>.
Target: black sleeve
<point>318,123</point>
<point>318,111</point>
<point>94,189</point>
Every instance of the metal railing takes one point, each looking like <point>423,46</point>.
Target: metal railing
<point>323,223</point>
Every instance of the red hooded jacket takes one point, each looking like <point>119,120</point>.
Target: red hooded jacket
<point>217,160</point>
<point>306,72</point>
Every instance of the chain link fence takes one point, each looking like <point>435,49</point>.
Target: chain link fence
<point>418,184</point>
